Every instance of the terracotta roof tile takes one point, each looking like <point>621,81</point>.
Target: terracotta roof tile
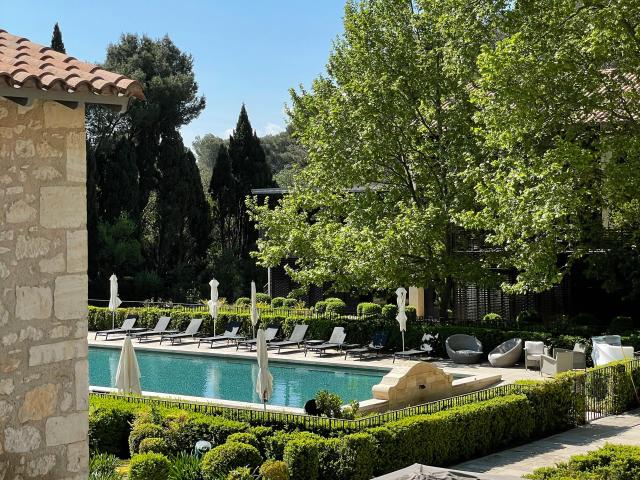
<point>24,64</point>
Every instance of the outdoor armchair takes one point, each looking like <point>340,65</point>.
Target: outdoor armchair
<point>127,327</point>
<point>378,342</point>
<point>507,354</point>
<point>463,348</point>
<point>609,348</point>
<point>532,353</point>
<point>579,356</point>
<point>336,341</point>
<point>192,330</point>
<point>562,361</point>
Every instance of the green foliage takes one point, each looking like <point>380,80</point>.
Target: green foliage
<point>103,467</point>
<point>141,431</point>
<point>331,305</point>
<point>274,470</point>
<point>153,444</point>
<point>274,445</point>
<point>277,302</point>
<point>357,453</point>
<point>390,311</point>
<point>290,303</point>
<point>184,431</point>
<point>185,467</point>
<point>613,462</point>
<point>109,426</point>
<point>263,298</point>
<point>243,302</point>
<point>621,325</point>
<point>240,473</point>
<point>56,40</point>
<point>149,466</point>
<point>261,433</point>
<point>244,437</point>
<point>368,309</point>
<point>301,457</point>
<point>329,404</point>
<point>224,458</point>
<point>492,319</point>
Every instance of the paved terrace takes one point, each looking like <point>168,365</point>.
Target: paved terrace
<point>519,461</point>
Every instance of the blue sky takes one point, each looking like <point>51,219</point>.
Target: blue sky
<point>248,51</point>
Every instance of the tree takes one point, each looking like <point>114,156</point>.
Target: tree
<point>222,188</point>
<point>389,130</point>
<point>283,152</point>
<point>559,104</point>
<point>206,151</point>
<point>56,39</point>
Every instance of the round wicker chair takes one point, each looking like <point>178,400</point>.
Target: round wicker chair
<point>464,348</point>
<point>506,354</point>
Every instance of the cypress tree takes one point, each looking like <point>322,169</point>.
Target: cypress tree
<point>56,39</point>
<point>222,188</point>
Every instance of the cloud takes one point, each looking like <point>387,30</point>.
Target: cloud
<point>271,129</point>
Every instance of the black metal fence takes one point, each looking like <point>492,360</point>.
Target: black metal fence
<point>610,390</point>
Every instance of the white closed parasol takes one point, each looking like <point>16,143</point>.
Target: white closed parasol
<point>128,373</point>
<point>401,317</point>
<point>264,382</point>
<point>213,302</point>
<point>114,301</point>
<point>255,315</point>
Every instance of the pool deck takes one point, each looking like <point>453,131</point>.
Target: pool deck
<point>383,362</point>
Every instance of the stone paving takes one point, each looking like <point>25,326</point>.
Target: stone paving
<point>518,461</point>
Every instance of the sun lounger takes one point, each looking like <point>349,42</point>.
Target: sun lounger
<point>229,335</point>
<point>378,342</point>
<point>159,329</point>
<point>426,348</point>
<point>336,341</point>
<point>127,327</point>
<point>269,335</point>
<point>295,339</point>
<point>190,332</point>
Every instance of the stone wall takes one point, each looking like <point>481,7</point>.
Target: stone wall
<point>43,292</point>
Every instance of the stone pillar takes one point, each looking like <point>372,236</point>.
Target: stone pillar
<point>43,292</point>
<point>416,299</point>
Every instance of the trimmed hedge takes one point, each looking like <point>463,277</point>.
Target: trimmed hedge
<point>110,424</point>
<point>224,458</point>
<point>242,437</point>
<point>277,302</point>
<point>366,309</point>
<point>156,445</point>
<point>614,462</point>
<point>301,457</point>
<point>274,470</point>
<point>149,466</point>
<point>141,432</point>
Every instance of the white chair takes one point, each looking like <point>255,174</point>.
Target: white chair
<point>562,361</point>
<point>604,353</point>
<point>532,353</point>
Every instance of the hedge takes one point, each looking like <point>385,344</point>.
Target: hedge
<point>224,458</point>
<point>365,309</point>
<point>110,424</point>
<point>620,462</point>
<point>301,457</point>
<point>149,466</point>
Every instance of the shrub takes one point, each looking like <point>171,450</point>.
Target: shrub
<point>329,404</point>
<point>184,432</point>
<point>357,454</point>
<point>321,307</point>
<point>103,467</point>
<point>274,470</point>
<point>301,457</point>
<point>242,437</point>
<point>262,298</point>
<point>620,325</point>
<point>275,444</point>
<point>224,458</point>
<point>412,315</point>
<point>142,431</point>
<point>335,306</point>
<point>149,466</point>
<point>242,302</point>
<point>367,309</point>
<point>492,319</point>
<point>619,462</point>
<point>290,303</point>
<point>109,426</point>
<point>152,444</point>
<point>389,312</point>
<point>240,473</point>
<point>277,302</point>
<point>185,467</point>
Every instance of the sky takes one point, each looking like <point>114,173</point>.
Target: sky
<point>250,51</point>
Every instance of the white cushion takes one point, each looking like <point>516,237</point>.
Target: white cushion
<point>536,348</point>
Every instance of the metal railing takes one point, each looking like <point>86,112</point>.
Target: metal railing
<point>609,390</point>
<point>311,422</point>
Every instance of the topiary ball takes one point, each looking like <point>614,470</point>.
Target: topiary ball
<point>242,437</point>
<point>224,458</point>
<point>149,466</point>
<point>153,444</point>
<point>274,470</point>
<point>240,473</point>
<point>142,431</point>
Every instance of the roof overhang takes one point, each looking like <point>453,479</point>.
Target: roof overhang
<point>25,96</point>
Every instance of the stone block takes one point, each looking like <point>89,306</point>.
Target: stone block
<point>21,440</point>
<point>77,252</point>
<point>6,386</point>
<point>77,456</point>
<point>59,116</point>
<point>31,247</point>
<point>76,157</point>
<point>70,297</point>
<point>38,403</point>
<point>63,207</point>
<point>67,429</point>
<point>41,466</point>
<point>21,212</point>
<point>82,385</point>
<point>33,303</point>
<point>57,352</point>
<point>52,265</point>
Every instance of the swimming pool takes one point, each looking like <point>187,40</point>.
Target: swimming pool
<point>233,378</point>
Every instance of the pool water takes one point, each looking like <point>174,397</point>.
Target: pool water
<point>233,378</point>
